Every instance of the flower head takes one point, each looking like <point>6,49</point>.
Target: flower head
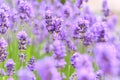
<point>25,74</point>
<point>3,46</point>
<point>47,70</point>
<point>10,67</point>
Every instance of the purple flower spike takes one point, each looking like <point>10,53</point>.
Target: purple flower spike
<point>25,10</point>
<point>4,19</point>
<point>2,72</point>
<point>49,21</point>
<point>83,65</point>
<point>83,74</point>
<point>10,67</point>
<point>105,55</point>
<point>47,70</point>
<point>99,75</point>
<point>23,40</point>
<point>81,61</point>
<point>10,78</point>
<point>31,64</point>
<point>22,57</point>
<point>79,3</point>
<point>70,45</point>
<point>3,53</point>
<point>25,74</point>
<point>105,9</point>
<point>57,24</point>
<point>74,59</point>
<point>59,52</point>
<point>80,29</point>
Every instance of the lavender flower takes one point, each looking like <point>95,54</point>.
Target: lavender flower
<point>105,55</point>
<point>111,22</point>
<point>70,45</point>
<point>88,15</point>
<point>67,11</point>
<point>83,66</point>
<point>25,74</point>
<point>10,67</point>
<point>25,10</point>
<point>22,57</point>
<point>59,49</point>
<point>59,53</point>
<point>89,38</point>
<point>62,35</point>
<point>83,25</point>
<point>14,16</point>
<point>79,3</point>
<point>4,19</point>
<point>5,7</point>
<point>31,64</point>
<point>10,78</point>
<point>83,74</point>
<point>47,70</point>
<point>47,48</point>
<point>36,28</point>
<point>23,40</point>
<point>2,72</point>
<point>81,61</point>
<point>74,59</point>
<point>80,29</point>
<point>57,24</point>
<point>3,53</point>
<point>98,30</point>
<point>105,7</point>
<point>53,24</point>
<point>99,75</point>
<point>49,21</point>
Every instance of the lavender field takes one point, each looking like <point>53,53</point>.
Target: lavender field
<point>59,40</point>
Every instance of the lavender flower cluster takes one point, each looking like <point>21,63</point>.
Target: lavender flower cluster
<point>58,41</point>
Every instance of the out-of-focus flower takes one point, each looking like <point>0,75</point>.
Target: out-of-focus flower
<point>67,11</point>
<point>14,16</point>
<point>48,47</point>
<point>25,74</point>
<point>79,61</point>
<point>25,10</point>
<point>111,22</point>
<point>4,18</point>
<point>2,72</point>
<point>105,8</point>
<point>75,57</point>
<point>83,74</point>
<point>3,53</point>
<point>79,3</point>
<point>98,30</point>
<point>59,52</point>
<point>10,65</point>
<point>47,70</point>
<point>105,56</point>
<point>73,76</point>
<point>31,64</point>
<point>22,57</point>
<point>70,45</point>
<point>99,75</point>
<point>10,78</point>
<point>83,65</point>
